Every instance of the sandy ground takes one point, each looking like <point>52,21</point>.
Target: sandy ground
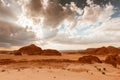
<point>34,57</point>
<point>50,70</point>
<point>72,72</point>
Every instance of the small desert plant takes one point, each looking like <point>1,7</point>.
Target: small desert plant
<point>103,73</point>
<point>18,69</point>
<point>3,70</point>
<point>99,69</point>
<point>104,69</point>
<point>54,77</point>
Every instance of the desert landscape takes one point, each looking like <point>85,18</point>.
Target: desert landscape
<point>59,40</point>
<point>32,63</point>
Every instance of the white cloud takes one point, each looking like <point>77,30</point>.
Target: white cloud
<point>96,14</point>
<point>65,25</point>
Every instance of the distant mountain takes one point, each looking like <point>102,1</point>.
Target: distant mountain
<point>101,50</point>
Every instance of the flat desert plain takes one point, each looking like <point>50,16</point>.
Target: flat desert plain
<point>65,67</point>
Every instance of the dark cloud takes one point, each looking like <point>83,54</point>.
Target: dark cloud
<point>79,3</point>
<point>6,13</point>
<point>53,15</point>
<point>80,17</point>
<point>34,8</point>
<point>13,35</point>
<point>104,2</point>
<point>83,3</point>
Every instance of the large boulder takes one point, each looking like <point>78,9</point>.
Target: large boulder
<point>30,50</point>
<point>89,59</point>
<point>113,60</point>
<point>51,52</point>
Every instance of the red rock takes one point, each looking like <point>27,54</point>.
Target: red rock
<point>89,59</point>
<point>6,61</point>
<point>113,60</point>
<point>51,52</point>
<point>17,53</point>
<point>30,50</point>
<point>102,51</point>
<point>35,50</point>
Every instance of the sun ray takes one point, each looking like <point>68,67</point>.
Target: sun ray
<point>30,26</point>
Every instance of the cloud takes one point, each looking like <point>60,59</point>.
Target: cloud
<point>111,25</point>
<point>33,8</point>
<point>5,13</point>
<point>95,33</point>
<point>53,14</point>
<point>14,35</point>
<point>95,13</point>
<point>90,24</point>
<point>104,34</point>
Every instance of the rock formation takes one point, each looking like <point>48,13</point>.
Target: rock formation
<point>89,59</point>
<point>51,52</point>
<point>17,53</point>
<point>102,51</point>
<point>30,50</point>
<point>35,50</point>
<point>113,59</point>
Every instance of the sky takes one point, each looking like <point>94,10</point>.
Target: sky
<point>59,24</point>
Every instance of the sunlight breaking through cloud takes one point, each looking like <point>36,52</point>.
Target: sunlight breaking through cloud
<point>65,25</point>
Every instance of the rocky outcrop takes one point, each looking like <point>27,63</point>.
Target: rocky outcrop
<point>113,50</point>
<point>89,59</point>
<point>17,53</point>
<point>35,50</point>
<point>102,51</point>
<point>50,52</point>
<point>113,60</point>
<point>30,50</point>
